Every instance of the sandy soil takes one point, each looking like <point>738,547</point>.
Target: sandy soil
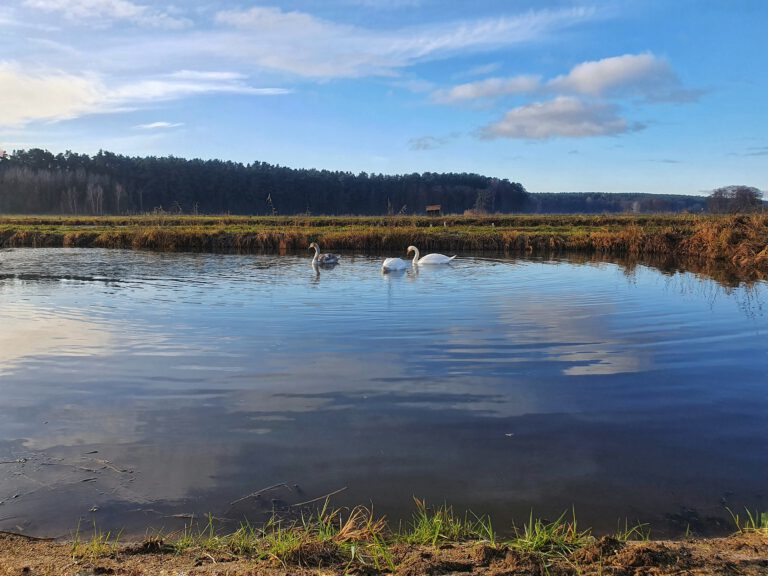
<point>741,554</point>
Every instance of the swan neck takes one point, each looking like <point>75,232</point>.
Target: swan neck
<point>317,255</point>
<point>416,256</point>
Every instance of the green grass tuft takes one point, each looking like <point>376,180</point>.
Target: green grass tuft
<point>430,526</point>
<point>752,522</point>
<point>561,537</point>
<point>634,532</point>
<point>99,545</point>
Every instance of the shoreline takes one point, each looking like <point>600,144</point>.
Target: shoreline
<point>737,245</point>
<point>354,541</point>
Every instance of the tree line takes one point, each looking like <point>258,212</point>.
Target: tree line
<point>37,181</point>
<point>604,202</point>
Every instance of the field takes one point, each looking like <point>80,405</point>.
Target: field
<point>736,243</point>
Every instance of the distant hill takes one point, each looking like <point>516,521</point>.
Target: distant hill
<point>599,202</point>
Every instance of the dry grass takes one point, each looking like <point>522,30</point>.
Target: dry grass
<point>740,241</point>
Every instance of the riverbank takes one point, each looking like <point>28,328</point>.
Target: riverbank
<point>739,242</point>
<point>435,542</point>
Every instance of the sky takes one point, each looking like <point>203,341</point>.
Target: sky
<point>660,96</point>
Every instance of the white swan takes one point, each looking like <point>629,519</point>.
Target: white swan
<point>392,264</point>
<point>429,258</point>
<point>323,259</point>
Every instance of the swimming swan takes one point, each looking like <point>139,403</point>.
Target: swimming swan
<point>429,258</point>
<point>392,264</point>
<point>323,259</point>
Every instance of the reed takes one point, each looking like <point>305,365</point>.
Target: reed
<point>739,241</point>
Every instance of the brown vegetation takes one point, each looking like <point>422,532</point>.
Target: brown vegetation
<point>738,241</point>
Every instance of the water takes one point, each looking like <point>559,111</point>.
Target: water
<point>138,389</point>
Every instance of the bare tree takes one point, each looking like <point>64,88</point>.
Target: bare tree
<point>70,197</point>
<point>732,199</point>
<point>119,193</point>
<point>95,197</point>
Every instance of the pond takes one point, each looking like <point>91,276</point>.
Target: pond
<point>139,389</point>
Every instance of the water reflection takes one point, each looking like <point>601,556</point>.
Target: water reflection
<point>578,337</point>
<point>189,380</point>
<point>29,332</point>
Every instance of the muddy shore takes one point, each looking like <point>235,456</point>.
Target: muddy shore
<point>740,554</point>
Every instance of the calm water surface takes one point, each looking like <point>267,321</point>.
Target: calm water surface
<point>138,386</point>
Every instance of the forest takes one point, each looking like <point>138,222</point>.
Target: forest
<point>605,202</point>
<point>36,181</point>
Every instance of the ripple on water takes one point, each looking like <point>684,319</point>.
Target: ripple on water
<point>495,384</point>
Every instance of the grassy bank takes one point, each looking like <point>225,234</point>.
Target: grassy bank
<point>740,241</point>
<point>435,541</point>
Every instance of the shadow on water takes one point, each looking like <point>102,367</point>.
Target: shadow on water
<point>144,389</point>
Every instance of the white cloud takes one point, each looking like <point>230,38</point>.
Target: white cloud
<point>642,75</point>
<point>489,88</point>
<point>48,96</point>
<point>159,125</point>
<point>562,117</point>
<point>107,11</point>
<point>635,75</point>
<point>53,95</point>
<point>302,44</point>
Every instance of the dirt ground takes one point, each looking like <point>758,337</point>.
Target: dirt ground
<point>741,554</point>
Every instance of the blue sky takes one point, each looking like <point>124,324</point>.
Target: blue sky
<point>663,96</point>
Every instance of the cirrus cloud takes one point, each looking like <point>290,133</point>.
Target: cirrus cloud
<point>308,46</point>
<point>159,125</point>
<point>46,95</point>
<point>108,11</point>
